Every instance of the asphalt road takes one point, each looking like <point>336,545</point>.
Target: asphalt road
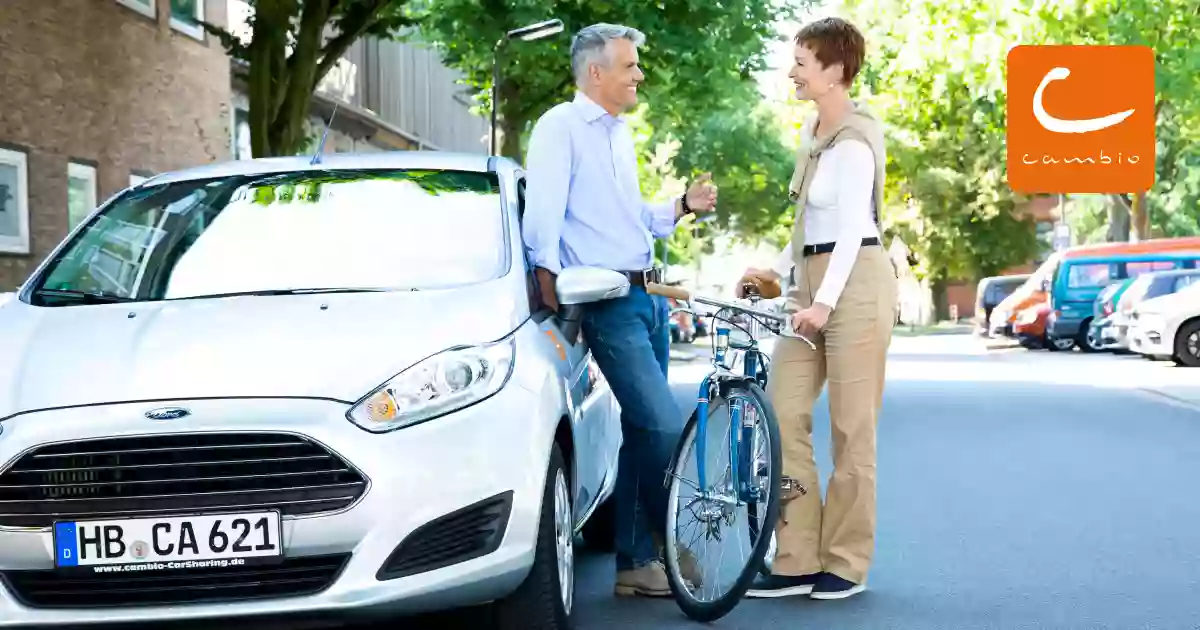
<point>1017,489</point>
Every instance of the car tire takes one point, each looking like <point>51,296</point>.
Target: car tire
<point>539,603</point>
<point>1183,339</point>
<point>600,531</point>
<point>1086,341</point>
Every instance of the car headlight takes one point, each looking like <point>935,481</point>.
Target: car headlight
<point>441,384</point>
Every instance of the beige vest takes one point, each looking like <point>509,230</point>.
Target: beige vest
<point>857,126</point>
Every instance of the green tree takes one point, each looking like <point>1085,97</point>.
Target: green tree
<point>752,166</point>
<point>1172,205</point>
<point>294,44</point>
<point>697,52</point>
<point>935,73</point>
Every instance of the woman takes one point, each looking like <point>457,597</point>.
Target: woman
<point>842,295</point>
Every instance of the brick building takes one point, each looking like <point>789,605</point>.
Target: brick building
<point>96,94</point>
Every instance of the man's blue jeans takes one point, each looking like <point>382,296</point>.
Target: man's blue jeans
<point>630,340</point>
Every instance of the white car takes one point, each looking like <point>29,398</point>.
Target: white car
<point>273,386</point>
<point>1168,327</point>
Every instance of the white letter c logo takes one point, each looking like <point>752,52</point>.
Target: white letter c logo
<point>1070,126</point>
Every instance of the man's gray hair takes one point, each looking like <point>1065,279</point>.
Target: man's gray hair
<point>590,45</point>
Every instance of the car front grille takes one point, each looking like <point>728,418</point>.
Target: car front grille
<point>157,475</point>
<point>472,532</point>
<point>292,577</point>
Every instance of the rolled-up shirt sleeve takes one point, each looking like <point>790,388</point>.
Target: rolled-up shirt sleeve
<point>547,188</point>
<point>660,217</point>
<point>854,174</point>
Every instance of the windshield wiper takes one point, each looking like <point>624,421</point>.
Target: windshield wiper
<point>280,292</point>
<point>84,296</point>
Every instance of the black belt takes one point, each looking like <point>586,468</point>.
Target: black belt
<point>826,248</point>
<point>643,277</point>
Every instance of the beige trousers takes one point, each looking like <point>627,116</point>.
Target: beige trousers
<point>851,354</point>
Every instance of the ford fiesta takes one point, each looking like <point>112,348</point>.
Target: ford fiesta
<point>273,386</point>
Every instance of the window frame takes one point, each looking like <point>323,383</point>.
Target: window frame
<point>150,11</point>
<point>18,244</point>
<point>194,31</point>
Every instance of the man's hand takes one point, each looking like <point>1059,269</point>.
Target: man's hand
<point>702,194</point>
<point>766,280</point>
<point>809,321</point>
<point>546,285</point>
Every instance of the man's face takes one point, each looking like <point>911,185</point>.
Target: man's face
<point>618,82</point>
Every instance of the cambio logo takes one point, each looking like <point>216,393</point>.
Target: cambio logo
<point>1080,119</point>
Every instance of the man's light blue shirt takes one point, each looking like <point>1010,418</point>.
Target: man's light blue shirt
<point>583,202</point>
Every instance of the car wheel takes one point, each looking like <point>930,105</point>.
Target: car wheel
<point>600,531</point>
<point>1187,344</point>
<point>545,599</point>
<point>1089,339</point>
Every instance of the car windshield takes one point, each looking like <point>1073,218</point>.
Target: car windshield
<point>377,229</point>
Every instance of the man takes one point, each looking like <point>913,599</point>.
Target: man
<point>584,207</point>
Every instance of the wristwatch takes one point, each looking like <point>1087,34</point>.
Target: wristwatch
<point>686,209</point>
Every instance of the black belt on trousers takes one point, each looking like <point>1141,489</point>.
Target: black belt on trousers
<point>826,248</point>
<point>643,277</point>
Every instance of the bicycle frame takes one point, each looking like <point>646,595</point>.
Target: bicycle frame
<point>741,432</point>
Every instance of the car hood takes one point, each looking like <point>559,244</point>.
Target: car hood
<point>336,346</point>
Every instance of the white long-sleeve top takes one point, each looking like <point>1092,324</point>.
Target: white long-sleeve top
<point>839,211</point>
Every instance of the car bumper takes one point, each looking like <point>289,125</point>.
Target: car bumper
<point>1149,341</point>
<point>414,476</point>
<point>1060,328</point>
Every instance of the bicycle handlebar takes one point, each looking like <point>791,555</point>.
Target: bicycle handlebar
<point>680,293</point>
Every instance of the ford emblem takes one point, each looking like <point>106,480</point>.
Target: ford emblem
<point>168,413</point>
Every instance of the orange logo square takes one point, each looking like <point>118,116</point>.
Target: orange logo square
<point>1081,119</point>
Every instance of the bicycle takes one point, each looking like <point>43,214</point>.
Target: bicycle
<point>751,479</point>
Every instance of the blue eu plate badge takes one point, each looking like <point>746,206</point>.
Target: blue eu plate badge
<point>67,543</point>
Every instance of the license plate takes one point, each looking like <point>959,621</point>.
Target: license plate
<point>157,544</point>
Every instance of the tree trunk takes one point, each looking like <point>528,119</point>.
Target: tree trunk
<point>1139,219</point>
<point>941,306</point>
<point>1118,219</point>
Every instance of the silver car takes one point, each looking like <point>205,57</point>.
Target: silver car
<point>273,386</point>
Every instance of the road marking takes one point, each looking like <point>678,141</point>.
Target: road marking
<point>1168,399</point>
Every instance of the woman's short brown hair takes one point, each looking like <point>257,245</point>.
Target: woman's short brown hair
<point>834,40</point>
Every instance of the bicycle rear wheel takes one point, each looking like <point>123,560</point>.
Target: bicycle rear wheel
<point>740,520</point>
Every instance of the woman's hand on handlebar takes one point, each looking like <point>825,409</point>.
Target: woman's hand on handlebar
<point>764,281</point>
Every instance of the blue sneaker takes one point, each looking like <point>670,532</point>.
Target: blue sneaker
<point>830,586</point>
<point>767,586</point>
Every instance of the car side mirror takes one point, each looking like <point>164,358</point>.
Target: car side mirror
<point>1045,285</point>
<point>577,286</point>
<point>584,285</point>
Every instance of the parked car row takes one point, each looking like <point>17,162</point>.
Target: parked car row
<point>1120,297</point>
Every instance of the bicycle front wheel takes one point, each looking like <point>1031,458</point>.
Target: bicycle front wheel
<point>719,531</point>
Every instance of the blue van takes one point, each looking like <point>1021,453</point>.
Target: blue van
<point>1080,278</point>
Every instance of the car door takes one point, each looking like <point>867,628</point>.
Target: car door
<point>594,416</point>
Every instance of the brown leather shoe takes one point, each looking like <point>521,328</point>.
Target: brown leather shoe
<point>647,581</point>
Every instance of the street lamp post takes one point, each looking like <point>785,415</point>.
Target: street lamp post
<point>525,33</point>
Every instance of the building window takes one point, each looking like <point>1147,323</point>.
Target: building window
<point>81,193</point>
<point>186,16</point>
<point>14,203</point>
<point>241,135</point>
<point>145,7</point>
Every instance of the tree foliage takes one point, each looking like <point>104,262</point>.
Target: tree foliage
<point>1172,206</point>
<point>697,53</point>
<point>935,73</point>
<point>294,44</point>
